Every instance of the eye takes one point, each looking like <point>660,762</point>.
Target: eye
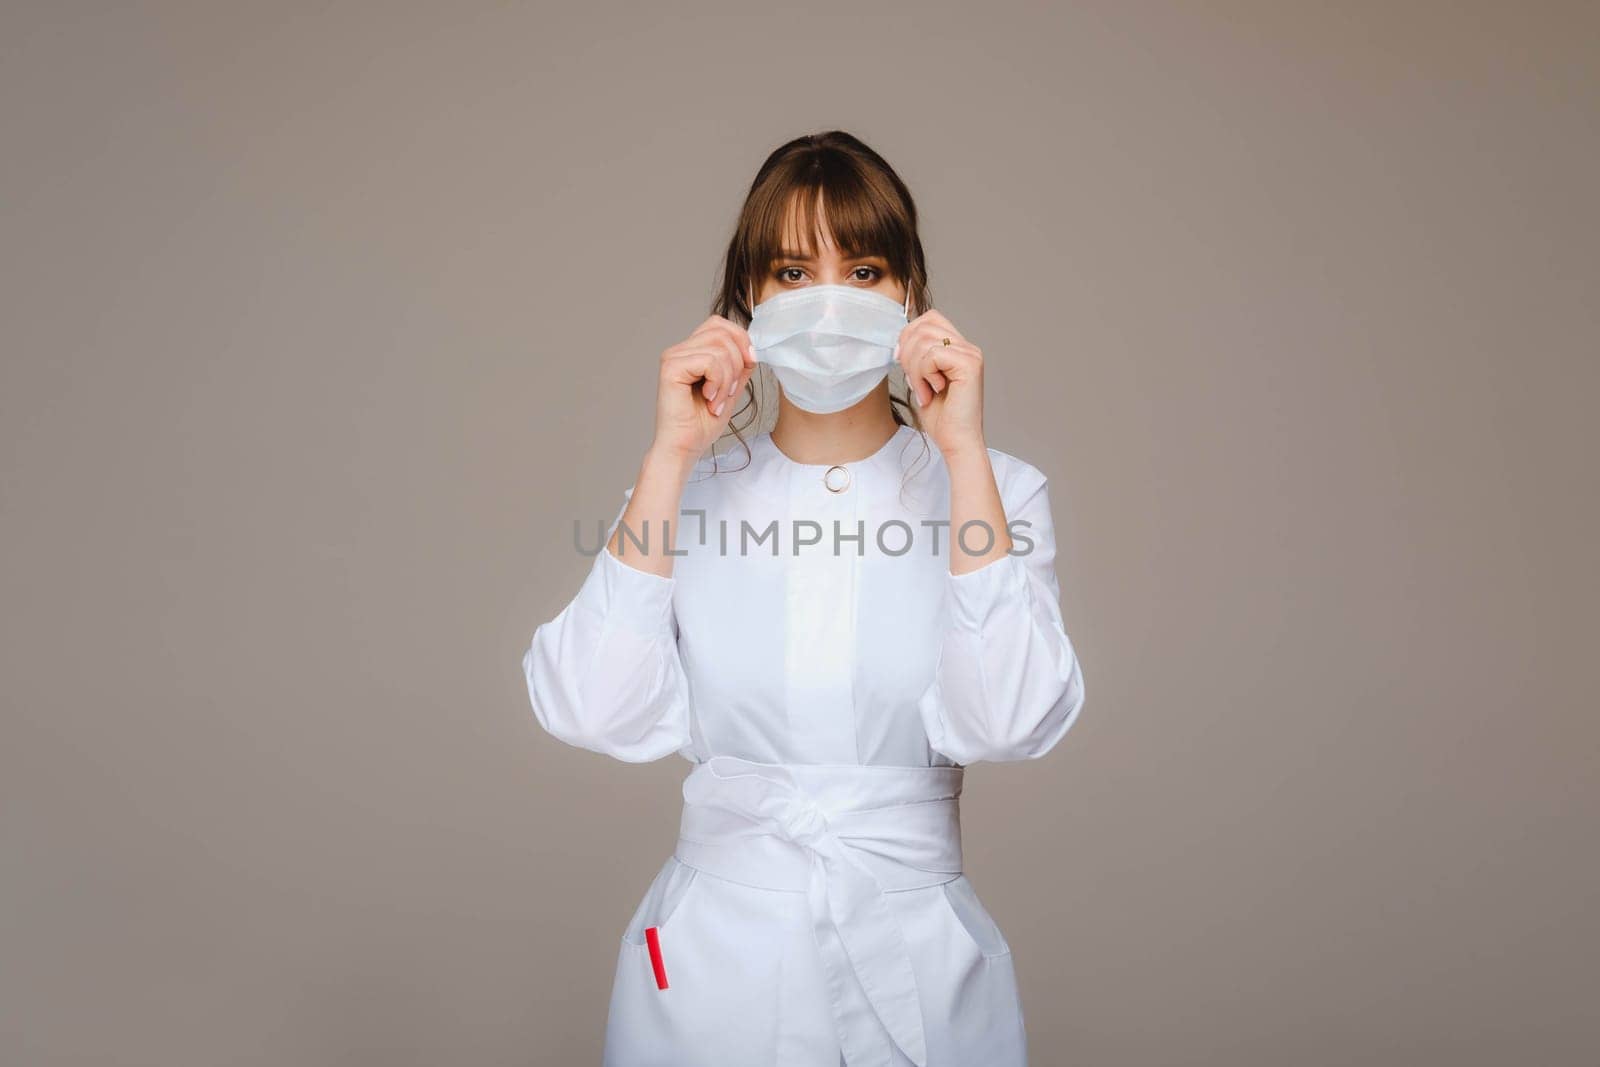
<point>782,274</point>
<point>871,276</point>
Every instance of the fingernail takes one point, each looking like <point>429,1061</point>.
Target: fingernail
<point>718,409</point>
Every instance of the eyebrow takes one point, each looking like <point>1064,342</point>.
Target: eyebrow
<point>803,258</point>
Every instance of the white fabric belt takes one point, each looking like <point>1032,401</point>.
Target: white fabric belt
<point>843,834</point>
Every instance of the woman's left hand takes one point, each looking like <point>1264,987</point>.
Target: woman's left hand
<point>946,381</point>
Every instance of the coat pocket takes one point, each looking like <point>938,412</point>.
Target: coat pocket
<point>973,919</point>
<point>661,901</point>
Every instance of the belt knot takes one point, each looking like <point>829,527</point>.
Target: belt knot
<point>804,822</point>
<point>851,829</point>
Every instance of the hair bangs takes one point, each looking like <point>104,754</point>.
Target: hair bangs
<point>798,208</point>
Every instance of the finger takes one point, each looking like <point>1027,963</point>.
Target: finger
<point>936,327</point>
<point>708,323</point>
<point>939,354</point>
<point>738,391</point>
<point>720,327</point>
<point>727,405</point>
<point>923,344</point>
<point>945,363</point>
<point>717,360</point>
<point>933,364</point>
<point>722,370</point>
<point>740,336</point>
<point>712,367</point>
<point>696,364</point>
<point>904,354</point>
<point>935,320</point>
<point>687,369</point>
<point>917,378</point>
<point>731,363</point>
<point>921,371</point>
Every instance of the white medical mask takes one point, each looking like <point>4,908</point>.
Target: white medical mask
<point>829,345</point>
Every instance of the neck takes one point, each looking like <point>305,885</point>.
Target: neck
<point>842,437</point>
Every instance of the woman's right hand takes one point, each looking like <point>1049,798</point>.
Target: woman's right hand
<point>700,381</point>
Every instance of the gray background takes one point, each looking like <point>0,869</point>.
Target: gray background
<point>321,326</point>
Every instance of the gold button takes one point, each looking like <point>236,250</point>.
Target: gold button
<point>837,483</point>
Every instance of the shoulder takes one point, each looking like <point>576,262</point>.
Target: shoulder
<point>712,469</point>
<point>1018,479</point>
<point>717,472</point>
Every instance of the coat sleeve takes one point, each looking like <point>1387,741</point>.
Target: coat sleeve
<point>605,674</point>
<point>1007,685</point>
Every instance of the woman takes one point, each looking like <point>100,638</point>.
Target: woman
<point>829,632</point>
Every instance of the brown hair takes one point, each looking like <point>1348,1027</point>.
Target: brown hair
<point>869,211</point>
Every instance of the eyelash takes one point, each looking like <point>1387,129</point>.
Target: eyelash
<point>781,271</point>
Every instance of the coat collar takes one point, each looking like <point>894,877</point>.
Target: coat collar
<point>899,463</point>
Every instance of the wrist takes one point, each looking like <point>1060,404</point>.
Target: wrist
<point>964,451</point>
<point>669,461</point>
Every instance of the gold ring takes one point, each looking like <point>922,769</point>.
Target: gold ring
<point>947,342</point>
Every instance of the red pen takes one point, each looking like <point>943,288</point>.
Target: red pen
<point>653,938</point>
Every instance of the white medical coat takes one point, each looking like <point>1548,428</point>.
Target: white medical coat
<point>839,647</point>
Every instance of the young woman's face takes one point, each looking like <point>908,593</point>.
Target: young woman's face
<point>798,267</point>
